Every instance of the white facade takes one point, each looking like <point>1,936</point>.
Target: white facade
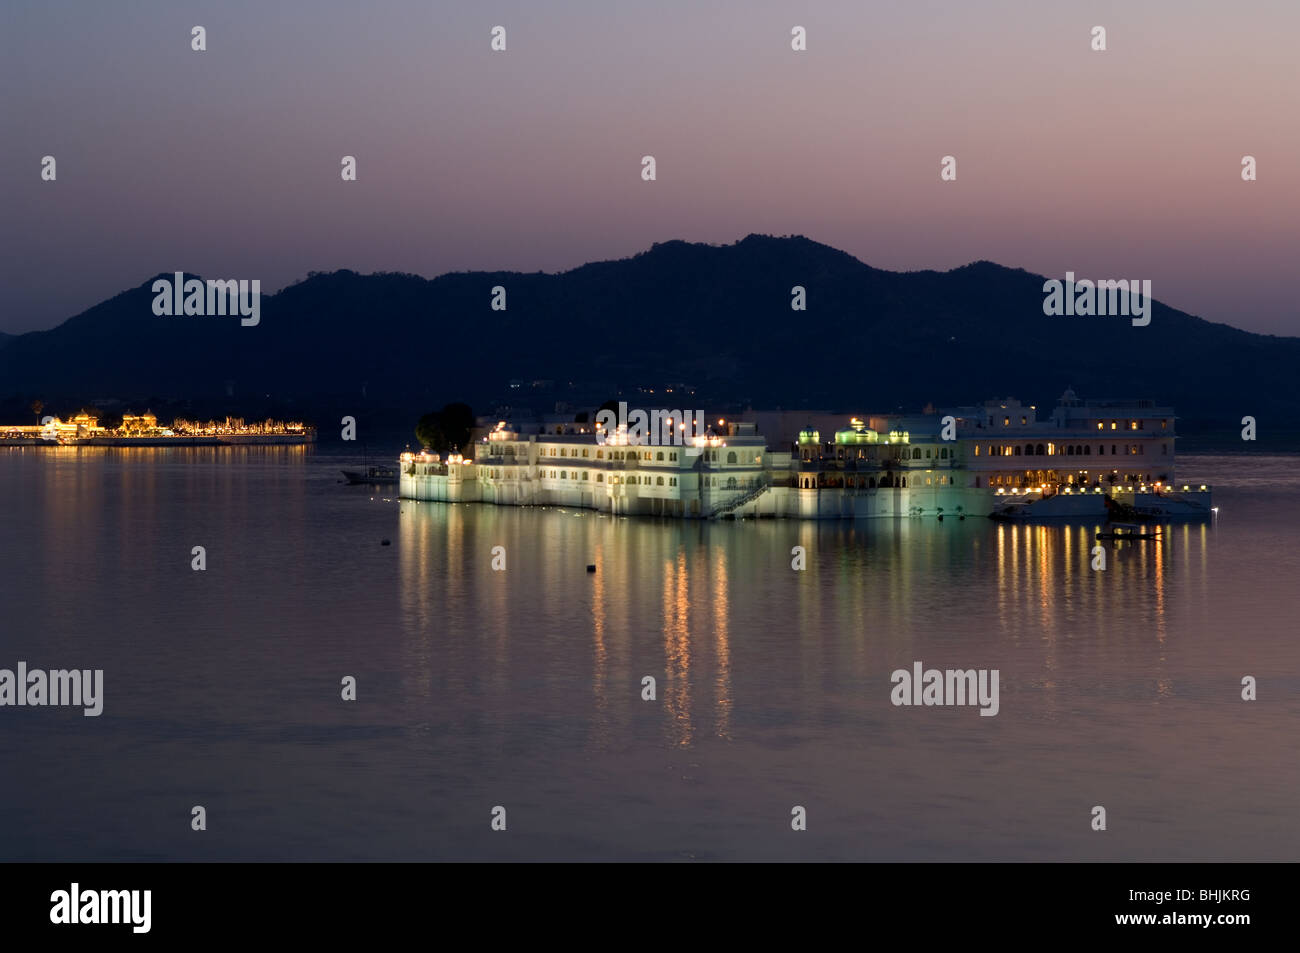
<point>878,466</point>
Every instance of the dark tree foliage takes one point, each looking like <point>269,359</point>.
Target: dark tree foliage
<point>447,429</point>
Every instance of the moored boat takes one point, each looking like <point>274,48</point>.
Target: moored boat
<point>373,474</point>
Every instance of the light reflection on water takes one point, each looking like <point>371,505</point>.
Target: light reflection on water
<point>523,687</point>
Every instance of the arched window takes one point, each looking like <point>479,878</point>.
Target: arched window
<point>731,456</point>
<point>731,482</point>
<point>659,455</point>
<point>1069,451</point>
<point>904,483</point>
<point>916,454</point>
<point>659,481</point>
<point>1029,449</point>
<point>1017,449</point>
<point>943,453</point>
<point>1087,450</point>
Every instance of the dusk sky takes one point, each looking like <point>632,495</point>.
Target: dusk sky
<point>1122,164</point>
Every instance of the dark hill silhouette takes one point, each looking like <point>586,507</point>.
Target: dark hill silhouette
<point>718,317</point>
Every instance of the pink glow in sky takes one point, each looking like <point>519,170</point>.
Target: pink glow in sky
<point>226,162</point>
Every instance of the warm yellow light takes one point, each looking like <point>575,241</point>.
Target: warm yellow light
<point>721,421</point>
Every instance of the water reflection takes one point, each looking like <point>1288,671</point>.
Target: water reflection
<point>523,686</point>
<point>874,595</point>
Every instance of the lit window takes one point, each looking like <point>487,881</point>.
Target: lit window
<point>1006,421</point>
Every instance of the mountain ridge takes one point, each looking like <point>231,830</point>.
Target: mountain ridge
<point>717,317</point>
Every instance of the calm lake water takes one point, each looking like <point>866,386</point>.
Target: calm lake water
<point>522,688</point>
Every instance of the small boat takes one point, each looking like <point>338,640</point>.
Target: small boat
<point>1128,531</point>
<point>372,474</point>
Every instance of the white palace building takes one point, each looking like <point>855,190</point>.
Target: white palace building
<point>997,459</point>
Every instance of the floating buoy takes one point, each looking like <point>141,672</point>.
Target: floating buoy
<point>384,542</point>
<point>591,568</point>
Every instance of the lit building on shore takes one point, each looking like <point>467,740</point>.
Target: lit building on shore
<point>140,430</point>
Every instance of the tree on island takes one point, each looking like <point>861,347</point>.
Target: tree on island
<point>446,429</point>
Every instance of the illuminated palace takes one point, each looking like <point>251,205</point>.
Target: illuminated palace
<point>998,458</point>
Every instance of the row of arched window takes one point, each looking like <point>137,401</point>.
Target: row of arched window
<point>916,453</point>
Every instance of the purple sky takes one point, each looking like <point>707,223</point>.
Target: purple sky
<point>1117,164</point>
